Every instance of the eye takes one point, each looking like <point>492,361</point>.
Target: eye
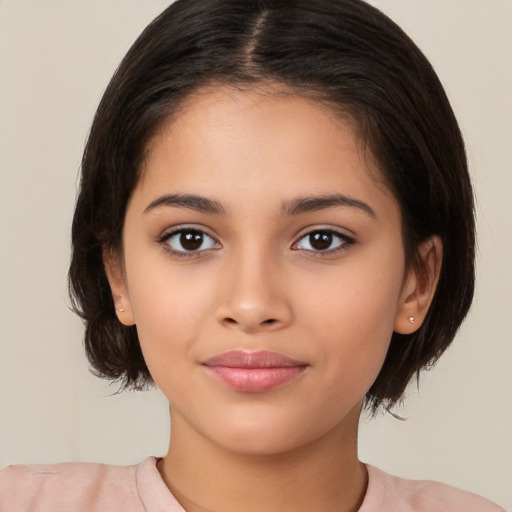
<point>188,240</point>
<point>323,241</point>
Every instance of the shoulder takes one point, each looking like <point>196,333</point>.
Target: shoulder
<point>69,486</point>
<point>388,492</point>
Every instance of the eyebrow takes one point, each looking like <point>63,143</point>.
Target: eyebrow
<point>189,201</point>
<point>296,206</point>
<point>311,204</point>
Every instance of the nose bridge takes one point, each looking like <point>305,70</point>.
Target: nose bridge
<point>254,297</point>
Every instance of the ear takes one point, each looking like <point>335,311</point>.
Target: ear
<point>114,268</point>
<point>419,287</point>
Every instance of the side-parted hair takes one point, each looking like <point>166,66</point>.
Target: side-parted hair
<point>343,53</point>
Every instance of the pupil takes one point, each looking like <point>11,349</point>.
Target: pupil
<point>191,240</point>
<point>321,240</point>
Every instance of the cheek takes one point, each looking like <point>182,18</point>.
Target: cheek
<point>352,314</point>
<point>360,299</point>
<point>170,305</point>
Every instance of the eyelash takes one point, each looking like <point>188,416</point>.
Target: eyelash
<point>345,242</point>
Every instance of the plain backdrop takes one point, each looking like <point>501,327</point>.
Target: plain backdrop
<point>56,58</point>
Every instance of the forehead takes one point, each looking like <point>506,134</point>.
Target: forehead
<point>259,139</point>
<point>257,113</point>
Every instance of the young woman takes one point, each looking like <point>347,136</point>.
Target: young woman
<point>274,226</point>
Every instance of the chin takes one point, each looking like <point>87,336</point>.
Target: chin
<point>274,436</point>
<point>262,444</point>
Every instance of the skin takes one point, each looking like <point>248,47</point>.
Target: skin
<point>258,283</point>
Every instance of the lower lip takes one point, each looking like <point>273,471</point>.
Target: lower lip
<point>254,380</point>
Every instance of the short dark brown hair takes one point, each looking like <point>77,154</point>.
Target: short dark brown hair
<point>343,52</point>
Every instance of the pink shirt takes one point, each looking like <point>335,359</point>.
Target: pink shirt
<point>88,487</point>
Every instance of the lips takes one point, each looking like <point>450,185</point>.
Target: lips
<point>253,372</point>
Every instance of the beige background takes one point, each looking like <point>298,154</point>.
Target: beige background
<point>55,60</point>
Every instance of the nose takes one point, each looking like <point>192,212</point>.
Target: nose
<point>254,296</point>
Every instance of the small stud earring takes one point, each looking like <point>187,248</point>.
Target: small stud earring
<point>121,310</point>
<point>411,319</point>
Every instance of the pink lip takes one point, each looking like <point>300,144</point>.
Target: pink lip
<point>253,372</point>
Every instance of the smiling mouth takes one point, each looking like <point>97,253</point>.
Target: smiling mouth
<point>253,372</point>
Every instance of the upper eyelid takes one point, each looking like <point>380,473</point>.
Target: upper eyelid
<point>343,232</point>
<point>167,233</point>
<point>346,243</point>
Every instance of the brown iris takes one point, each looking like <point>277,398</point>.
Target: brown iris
<point>191,240</point>
<point>320,240</point>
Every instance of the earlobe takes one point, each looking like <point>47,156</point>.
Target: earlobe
<point>114,270</point>
<point>419,288</point>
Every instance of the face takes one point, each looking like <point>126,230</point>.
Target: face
<point>264,268</point>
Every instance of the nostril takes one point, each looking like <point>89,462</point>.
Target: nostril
<point>249,323</point>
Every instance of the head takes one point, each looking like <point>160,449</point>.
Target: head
<point>350,61</point>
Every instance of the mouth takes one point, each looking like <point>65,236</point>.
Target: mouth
<point>253,372</point>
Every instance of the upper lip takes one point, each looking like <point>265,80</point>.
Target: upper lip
<point>260,359</point>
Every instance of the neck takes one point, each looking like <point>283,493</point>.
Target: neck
<point>323,475</point>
